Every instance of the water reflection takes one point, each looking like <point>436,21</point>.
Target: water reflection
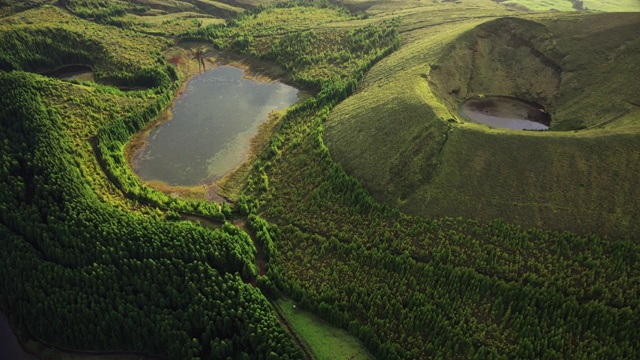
<point>505,112</point>
<point>212,126</point>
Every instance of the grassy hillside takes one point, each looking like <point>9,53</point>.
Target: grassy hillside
<point>612,5</point>
<point>573,5</point>
<point>326,341</point>
<point>568,64</point>
<point>412,150</point>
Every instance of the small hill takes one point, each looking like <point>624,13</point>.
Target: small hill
<point>568,65</point>
<point>402,138</point>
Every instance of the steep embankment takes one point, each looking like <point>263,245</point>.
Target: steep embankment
<point>510,56</point>
<point>402,138</point>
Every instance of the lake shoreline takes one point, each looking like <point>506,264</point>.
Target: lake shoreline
<point>226,188</point>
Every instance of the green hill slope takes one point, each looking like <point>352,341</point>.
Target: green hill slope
<point>402,138</point>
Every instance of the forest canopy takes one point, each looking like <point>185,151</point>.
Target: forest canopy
<point>95,259</point>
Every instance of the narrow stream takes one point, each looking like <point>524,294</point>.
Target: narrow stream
<point>213,122</point>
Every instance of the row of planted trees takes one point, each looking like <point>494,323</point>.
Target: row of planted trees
<point>81,274</point>
<point>37,49</point>
<point>111,141</point>
<point>401,307</point>
<point>419,288</point>
<point>407,287</point>
<point>411,287</point>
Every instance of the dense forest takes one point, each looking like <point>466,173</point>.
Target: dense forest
<point>94,259</point>
<point>64,251</point>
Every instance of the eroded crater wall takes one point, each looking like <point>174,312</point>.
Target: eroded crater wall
<point>507,56</point>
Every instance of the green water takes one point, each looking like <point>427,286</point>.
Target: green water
<point>213,123</point>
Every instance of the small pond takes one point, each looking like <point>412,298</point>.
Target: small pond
<point>213,122</point>
<point>71,72</point>
<point>9,346</point>
<point>505,112</point>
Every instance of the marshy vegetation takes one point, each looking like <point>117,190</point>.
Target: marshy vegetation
<point>372,206</point>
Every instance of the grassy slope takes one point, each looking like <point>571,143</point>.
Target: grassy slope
<point>173,23</point>
<point>123,49</point>
<point>587,184</point>
<point>370,147</point>
<point>542,5</point>
<point>326,341</point>
<point>170,6</point>
<point>598,84</point>
<point>556,180</point>
<point>551,61</point>
<point>567,5</point>
<point>389,143</point>
<point>416,54</point>
<point>612,5</point>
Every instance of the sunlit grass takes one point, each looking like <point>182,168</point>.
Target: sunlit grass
<point>291,19</point>
<point>543,5</point>
<point>123,49</point>
<point>326,341</point>
<point>567,5</point>
<point>393,137</point>
<point>612,5</point>
<point>174,23</point>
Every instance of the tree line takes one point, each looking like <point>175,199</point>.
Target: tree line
<point>412,287</point>
<point>80,273</point>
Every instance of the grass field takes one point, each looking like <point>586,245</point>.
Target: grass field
<point>327,342</point>
<point>173,23</point>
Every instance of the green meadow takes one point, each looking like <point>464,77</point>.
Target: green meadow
<point>326,341</point>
